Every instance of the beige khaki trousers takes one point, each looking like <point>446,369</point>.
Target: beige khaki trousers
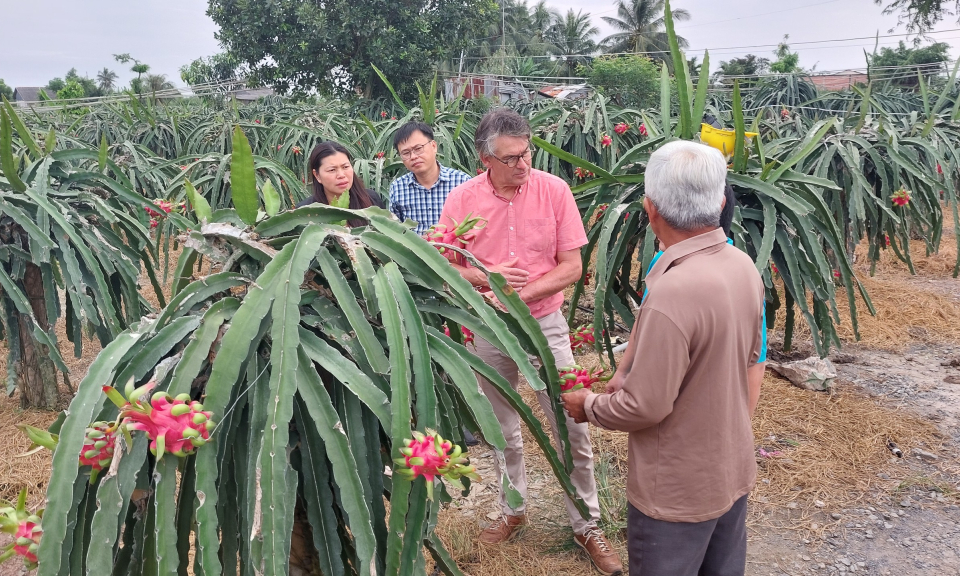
<point>557,333</point>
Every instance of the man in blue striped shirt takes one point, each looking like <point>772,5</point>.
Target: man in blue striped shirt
<point>419,194</point>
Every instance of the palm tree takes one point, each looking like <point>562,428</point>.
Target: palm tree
<point>154,83</point>
<point>541,19</point>
<point>641,28</point>
<point>106,79</point>
<point>571,36</point>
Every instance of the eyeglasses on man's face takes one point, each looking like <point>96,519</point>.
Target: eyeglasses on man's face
<point>417,150</point>
<point>512,161</point>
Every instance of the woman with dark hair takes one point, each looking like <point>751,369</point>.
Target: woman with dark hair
<point>332,170</point>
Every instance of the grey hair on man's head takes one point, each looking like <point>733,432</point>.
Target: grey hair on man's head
<point>685,181</point>
<point>496,123</point>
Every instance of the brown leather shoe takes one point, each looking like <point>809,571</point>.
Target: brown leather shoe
<point>601,553</point>
<point>502,530</point>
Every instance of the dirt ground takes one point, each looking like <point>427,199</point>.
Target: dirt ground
<point>831,497</point>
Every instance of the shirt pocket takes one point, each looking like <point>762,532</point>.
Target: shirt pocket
<point>541,235</point>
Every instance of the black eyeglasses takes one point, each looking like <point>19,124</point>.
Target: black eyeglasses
<point>512,161</point>
<point>415,151</point>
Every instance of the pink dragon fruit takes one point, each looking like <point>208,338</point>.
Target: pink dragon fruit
<point>601,210</point>
<point>175,425</point>
<point>461,235</point>
<point>606,140</point>
<point>901,197</point>
<point>582,174</point>
<point>582,336</point>
<point>642,129</point>
<point>98,445</point>
<point>784,114</point>
<point>621,128</point>
<point>576,377</point>
<point>467,334</point>
<point>25,529</point>
<point>429,455</point>
<point>164,206</point>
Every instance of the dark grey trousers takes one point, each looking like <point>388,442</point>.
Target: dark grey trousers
<point>716,547</point>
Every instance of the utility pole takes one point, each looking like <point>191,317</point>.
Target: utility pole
<point>503,37</point>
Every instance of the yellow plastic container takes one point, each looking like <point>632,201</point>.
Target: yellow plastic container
<point>722,140</point>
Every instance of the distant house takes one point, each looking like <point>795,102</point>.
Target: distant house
<point>250,95</point>
<point>838,80</point>
<point>487,86</point>
<point>565,92</point>
<point>24,96</point>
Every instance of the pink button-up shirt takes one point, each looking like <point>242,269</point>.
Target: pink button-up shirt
<point>540,221</point>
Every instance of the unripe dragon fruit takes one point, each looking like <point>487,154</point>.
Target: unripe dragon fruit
<point>175,425</point>
<point>460,235</point>
<point>98,445</point>
<point>25,529</point>
<point>429,455</point>
<point>576,377</point>
<point>467,334</point>
<point>582,336</point>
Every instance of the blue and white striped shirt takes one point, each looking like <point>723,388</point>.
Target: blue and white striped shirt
<point>410,200</point>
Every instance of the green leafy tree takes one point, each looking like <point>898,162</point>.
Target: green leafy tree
<point>910,59</point>
<point>137,84</point>
<point>630,81</point>
<point>5,91</point>
<point>221,69</point>
<point>332,46</point>
<point>71,90</point>
<point>745,69</point>
<point>572,38</point>
<point>55,85</point>
<point>787,61</point>
<point>640,27</point>
<point>920,15</point>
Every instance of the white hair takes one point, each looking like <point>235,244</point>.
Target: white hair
<point>685,181</point>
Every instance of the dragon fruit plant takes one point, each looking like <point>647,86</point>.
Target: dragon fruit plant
<point>25,528</point>
<point>315,347</point>
<point>429,455</point>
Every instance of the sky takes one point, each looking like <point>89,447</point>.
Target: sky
<point>45,38</point>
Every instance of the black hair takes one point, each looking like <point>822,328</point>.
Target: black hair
<point>359,196</point>
<point>406,131</point>
<point>726,215</point>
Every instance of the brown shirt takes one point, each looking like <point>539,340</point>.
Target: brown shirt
<point>685,397</point>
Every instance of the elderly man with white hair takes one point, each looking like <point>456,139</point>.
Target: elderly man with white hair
<point>687,386</point>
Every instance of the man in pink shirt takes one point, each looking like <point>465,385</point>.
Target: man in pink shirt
<point>533,237</point>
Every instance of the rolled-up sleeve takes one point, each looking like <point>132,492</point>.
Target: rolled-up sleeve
<point>650,389</point>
